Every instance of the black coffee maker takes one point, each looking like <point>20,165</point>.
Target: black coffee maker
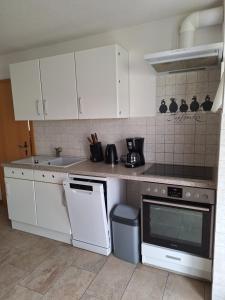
<point>135,156</point>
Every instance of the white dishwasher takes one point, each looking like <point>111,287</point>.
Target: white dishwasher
<point>89,202</point>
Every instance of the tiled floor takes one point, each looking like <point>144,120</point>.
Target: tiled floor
<point>34,268</point>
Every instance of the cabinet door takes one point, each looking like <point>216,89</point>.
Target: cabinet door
<point>51,208</point>
<point>123,83</point>
<point>96,83</point>
<point>59,87</point>
<point>20,200</point>
<point>26,90</point>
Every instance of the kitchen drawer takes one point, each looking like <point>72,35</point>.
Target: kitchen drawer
<point>175,257</point>
<point>48,176</point>
<point>18,173</point>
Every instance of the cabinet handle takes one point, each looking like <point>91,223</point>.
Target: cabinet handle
<point>45,107</point>
<point>37,107</point>
<point>173,257</point>
<point>79,105</point>
<point>7,189</point>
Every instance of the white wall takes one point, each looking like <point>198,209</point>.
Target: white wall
<point>139,40</point>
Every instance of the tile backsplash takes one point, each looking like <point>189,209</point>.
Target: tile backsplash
<point>185,85</point>
<point>181,138</point>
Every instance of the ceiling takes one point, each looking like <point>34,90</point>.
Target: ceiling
<point>30,23</point>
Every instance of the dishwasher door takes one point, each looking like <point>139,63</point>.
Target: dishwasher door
<point>87,213</point>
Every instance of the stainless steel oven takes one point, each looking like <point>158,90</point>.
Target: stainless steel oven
<point>179,218</point>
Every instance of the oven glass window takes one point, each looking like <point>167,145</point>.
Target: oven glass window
<point>176,224</point>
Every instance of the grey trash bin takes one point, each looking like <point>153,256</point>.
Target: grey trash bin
<point>126,233</point>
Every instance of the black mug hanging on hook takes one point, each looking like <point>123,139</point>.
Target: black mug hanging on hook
<point>194,104</point>
<point>163,107</point>
<point>173,105</point>
<point>184,106</point>
<point>207,104</point>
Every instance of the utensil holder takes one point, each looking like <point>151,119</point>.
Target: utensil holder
<point>96,152</point>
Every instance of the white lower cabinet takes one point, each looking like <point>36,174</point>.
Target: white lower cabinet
<point>20,199</point>
<point>51,207</point>
<point>36,203</point>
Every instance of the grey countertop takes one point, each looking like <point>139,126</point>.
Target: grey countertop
<point>120,171</point>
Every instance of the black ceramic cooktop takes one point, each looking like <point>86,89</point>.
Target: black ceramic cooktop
<point>191,172</point>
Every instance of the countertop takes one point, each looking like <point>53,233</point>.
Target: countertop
<point>119,171</point>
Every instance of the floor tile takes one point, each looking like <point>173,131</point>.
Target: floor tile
<point>112,280</point>
<point>208,289</point>
<point>145,285</point>
<point>90,261</point>
<point>4,252</point>
<point>87,297</point>
<point>45,275</point>
<point>183,288</point>
<point>9,277</point>
<point>71,285</point>
<point>19,239</point>
<point>28,259</point>
<point>67,253</point>
<point>21,293</point>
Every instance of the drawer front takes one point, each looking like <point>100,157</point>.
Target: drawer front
<point>176,257</point>
<point>19,173</point>
<point>48,176</point>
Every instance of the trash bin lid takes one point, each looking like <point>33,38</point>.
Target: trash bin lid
<point>125,214</point>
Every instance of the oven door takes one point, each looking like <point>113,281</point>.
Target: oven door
<point>178,225</point>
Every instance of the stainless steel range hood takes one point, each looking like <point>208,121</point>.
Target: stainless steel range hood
<point>184,59</point>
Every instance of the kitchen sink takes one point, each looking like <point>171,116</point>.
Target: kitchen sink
<point>42,160</point>
<point>63,161</point>
<point>34,160</point>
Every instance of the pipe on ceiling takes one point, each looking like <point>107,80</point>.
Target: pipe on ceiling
<point>198,19</point>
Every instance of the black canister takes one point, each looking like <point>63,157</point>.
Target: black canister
<point>96,152</point>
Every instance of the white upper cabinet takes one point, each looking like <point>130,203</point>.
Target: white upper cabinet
<point>102,82</point>
<point>45,89</point>
<point>59,87</point>
<point>26,89</point>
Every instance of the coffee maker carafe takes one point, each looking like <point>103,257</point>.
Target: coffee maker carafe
<point>135,156</point>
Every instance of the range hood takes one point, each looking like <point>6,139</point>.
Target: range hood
<point>178,60</point>
<point>188,56</point>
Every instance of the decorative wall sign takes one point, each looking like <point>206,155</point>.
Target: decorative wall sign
<point>187,91</point>
<point>182,118</point>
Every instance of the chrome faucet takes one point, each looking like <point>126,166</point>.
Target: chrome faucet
<point>58,151</point>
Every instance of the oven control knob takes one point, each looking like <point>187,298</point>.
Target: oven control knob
<point>155,190</point>
<point>163,191</point>
<point>205,197</point>
<point>148,189</point>
<point>187,194</point>
<point>197,196</point>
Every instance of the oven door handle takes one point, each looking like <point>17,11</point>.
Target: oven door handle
<point>198,208</point>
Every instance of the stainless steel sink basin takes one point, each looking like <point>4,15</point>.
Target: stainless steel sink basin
<point>42,160</point>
